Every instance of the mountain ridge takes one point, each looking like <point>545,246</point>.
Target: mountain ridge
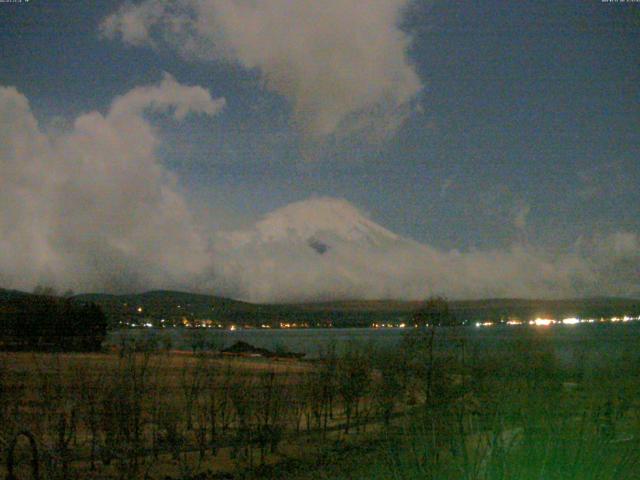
<point>170,304</point>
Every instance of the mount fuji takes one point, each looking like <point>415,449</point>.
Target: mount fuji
<point>327,249</point>
<point>318,221</point>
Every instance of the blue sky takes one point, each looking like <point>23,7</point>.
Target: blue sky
<point>526,127</point>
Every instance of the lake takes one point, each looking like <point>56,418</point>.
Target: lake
<point>590,343</point>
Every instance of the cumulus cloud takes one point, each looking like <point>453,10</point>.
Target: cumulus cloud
<point>92,208</point>
<point>342,64</point>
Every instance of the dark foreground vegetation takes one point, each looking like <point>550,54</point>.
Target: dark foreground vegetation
<point>438,407</point>
<point>43,322</point>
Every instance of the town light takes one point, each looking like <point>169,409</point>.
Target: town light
<point>543,322</point>
<point>570,321</point>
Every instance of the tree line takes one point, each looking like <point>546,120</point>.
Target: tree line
<point>42,322</point>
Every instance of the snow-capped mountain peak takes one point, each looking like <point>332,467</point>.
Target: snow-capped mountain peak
<point>318,222</point>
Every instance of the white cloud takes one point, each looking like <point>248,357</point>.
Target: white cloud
<point>169,94</point>
<point>342,64</point>
<point>92,208</point>
<point>278,260</point>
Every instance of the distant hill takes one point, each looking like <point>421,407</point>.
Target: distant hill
<point>504,308</point>
<point>174,306</point>
<point>178,305</point>
<point>167,299</point>
<point>494,309</point>
<point>6,295</point>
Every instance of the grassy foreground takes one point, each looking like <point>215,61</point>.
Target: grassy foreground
<point>438,407</point>
<point>514,413</point>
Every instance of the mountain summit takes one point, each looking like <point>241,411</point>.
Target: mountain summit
<point>316,222</point>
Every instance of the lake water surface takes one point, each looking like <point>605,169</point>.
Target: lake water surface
<point>599,343</point>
